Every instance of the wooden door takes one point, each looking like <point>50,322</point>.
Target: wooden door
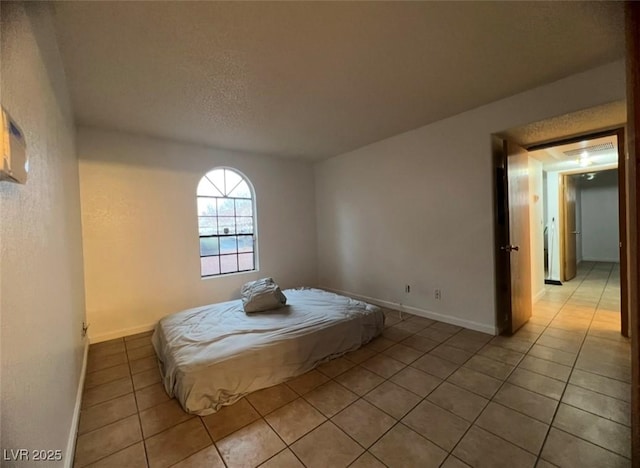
<point>512,248</point>
<point>569,253</point>
<point>519,247</point>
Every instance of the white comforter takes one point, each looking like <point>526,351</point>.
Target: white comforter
<point>213,355</point>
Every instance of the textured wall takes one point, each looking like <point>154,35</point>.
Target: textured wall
<point>599,213</point>
<point>42,291</point>
<point>418,208</point>
<point>140,231</point>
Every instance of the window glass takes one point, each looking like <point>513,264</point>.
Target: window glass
<point>226,223</point>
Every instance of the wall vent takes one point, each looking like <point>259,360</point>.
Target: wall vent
<point>608,146</point>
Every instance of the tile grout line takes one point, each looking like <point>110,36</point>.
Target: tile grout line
<point>135,397</point>
<point>377,352</point>
<point>166,429</point>
<point>555,412</point>
<point>502,385</point>
<point>287,446</point>
<point>125,417</point>
<point>489,400</point>
<point>398,421</point>
<point>213,442</point>
<point>361,397</point>
<point>566,365</point>
<point>505,380</point>
<point>573,368</point>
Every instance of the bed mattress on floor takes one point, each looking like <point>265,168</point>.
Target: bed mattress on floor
<point>212,356</point>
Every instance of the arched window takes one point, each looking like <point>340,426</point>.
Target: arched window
<point>226,223</point>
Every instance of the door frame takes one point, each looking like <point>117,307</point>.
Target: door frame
<point>619,132</point>
<point>632,26</point>
<point>562,225</point>
<point>631,297</point>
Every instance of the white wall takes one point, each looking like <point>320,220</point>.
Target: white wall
<point>553,224</point>
<point>417,208</point>
<point>140,232</point>
<point>599,213</point>
<point>596,219</point>
<point>578,221</point>
<point>536,223</point>
<point>42,292</point>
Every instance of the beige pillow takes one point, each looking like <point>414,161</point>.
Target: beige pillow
<point>260,295</point>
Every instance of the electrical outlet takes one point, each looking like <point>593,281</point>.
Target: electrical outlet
<point>407,288</point>
<point>438,294</point>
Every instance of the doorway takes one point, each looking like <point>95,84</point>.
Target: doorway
<point>589,219</point>
<point>564,231</point>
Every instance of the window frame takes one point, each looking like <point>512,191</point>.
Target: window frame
<point>236,234</point>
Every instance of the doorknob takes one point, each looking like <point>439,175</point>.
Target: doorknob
<point>509,248</point>
<point>575,232</point>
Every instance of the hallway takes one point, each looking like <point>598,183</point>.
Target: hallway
<point>577,327</point>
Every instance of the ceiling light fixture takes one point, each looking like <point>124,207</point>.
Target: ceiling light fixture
<point>584,160</point>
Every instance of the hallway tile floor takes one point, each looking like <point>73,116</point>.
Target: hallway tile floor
<point>424,394</point>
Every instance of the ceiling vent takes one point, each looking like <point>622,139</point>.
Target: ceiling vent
<point>608,146</point>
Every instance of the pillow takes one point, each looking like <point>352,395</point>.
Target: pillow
<point>262,294</point>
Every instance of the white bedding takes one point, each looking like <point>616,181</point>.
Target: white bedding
<point>214,355</point>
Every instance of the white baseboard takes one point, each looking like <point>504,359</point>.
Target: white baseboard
<point>481,327</point>
<point>120,333</point>
<point>602,260</point>
<point>538,296</point>
<point>73,432</point>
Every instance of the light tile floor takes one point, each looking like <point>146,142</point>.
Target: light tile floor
<point>424,394</point>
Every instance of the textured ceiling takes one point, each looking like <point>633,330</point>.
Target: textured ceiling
<point>562,127</point>
<point>312,80</point>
